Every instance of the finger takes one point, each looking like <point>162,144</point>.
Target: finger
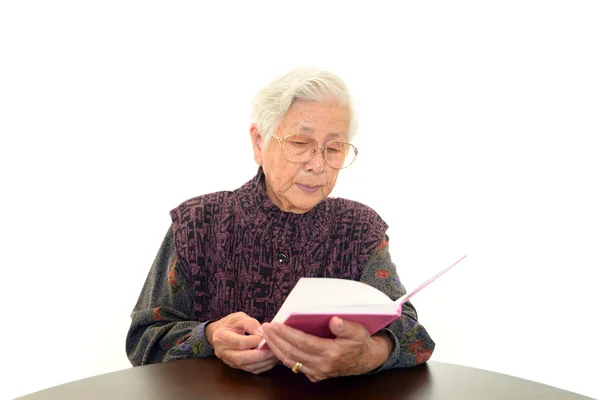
<point>252,326</point>
<point>287,353</point>
<point>264,355</point>
<point>314,373</point>
<point>265,368</point>
<point>316,379</point>
<point>234,341</point>
<point>348,329</point>
<point>245,358</point>
<point>317,366</point>
<point>261,366</point>
<point>243,321</point>
<point>281,356</point>
<point>309,344</point>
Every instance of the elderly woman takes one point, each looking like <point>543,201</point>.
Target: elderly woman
<point>229,259</point>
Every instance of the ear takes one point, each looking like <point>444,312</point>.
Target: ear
<point>257,141</point>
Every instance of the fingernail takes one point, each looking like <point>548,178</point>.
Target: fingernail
<point>259,331</point>
<point>340,323</point>
<point>275,328</point>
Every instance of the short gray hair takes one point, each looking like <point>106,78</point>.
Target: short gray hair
<point>301,84</point>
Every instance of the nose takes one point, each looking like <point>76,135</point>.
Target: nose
<point>317,162</point>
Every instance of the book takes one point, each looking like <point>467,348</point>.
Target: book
<point>314,301</point>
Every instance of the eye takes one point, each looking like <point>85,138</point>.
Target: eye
<point>335,147</point>
<point>300,141</point>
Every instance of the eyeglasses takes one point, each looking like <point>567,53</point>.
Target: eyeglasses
<point>300,149</point>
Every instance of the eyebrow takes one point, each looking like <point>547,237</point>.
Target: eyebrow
<point>305,128</point>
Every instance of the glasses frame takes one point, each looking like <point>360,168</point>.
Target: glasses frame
<point>321,149</point>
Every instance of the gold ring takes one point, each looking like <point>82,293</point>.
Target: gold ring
<point>297,368</point>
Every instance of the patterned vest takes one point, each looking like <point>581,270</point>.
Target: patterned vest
<point>240,252</point>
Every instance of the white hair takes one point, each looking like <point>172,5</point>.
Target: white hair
<point>302,84</point>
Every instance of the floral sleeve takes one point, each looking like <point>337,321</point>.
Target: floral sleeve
<point>162,323</point>
<point>412,345</point>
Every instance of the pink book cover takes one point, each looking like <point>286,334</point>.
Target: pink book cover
<point>317,324</point>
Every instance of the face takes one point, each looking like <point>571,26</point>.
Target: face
<point>294,187</point>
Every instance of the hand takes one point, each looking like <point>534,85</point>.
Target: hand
<point>352,352</point>
<point>235,348</point>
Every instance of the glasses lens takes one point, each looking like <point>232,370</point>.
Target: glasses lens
<point>340,154</point>
<point>299,148</point>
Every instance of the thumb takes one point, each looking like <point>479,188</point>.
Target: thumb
<point>347,329</point>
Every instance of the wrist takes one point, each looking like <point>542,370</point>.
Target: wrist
<point>209,331</point>
<point>383,348</point>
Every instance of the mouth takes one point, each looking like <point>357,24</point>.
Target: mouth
<point>308,188</point>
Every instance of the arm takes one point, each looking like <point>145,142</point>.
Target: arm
<point>163,326</point>
<point>411,344</point>
<point>162,323</point>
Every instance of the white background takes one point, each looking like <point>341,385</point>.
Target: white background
<point>479,126</point>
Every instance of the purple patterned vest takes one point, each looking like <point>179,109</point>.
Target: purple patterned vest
<point>240,252</point>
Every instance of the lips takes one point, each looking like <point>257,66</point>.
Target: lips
<point>309,188</point>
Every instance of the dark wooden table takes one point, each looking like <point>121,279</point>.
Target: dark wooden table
<point>211,379</point>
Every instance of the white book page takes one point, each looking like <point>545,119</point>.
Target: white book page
<point>349,309</point>
<point>407,296</point>
<point>314,293</point>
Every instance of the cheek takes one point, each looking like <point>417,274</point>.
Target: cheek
<point>285,174</point>
<point>331,180</point>
<point>277,167</point>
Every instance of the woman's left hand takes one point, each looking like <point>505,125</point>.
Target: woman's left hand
<point>352,352</point>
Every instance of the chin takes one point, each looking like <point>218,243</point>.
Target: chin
<point>304,202</point>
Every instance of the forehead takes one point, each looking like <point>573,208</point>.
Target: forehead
<point>310,117</point>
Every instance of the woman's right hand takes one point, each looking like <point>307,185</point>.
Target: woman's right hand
<point>235,338</point>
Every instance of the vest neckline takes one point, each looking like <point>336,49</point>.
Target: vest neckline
<point>254,205</point>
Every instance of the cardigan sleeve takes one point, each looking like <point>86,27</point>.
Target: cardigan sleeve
<point>412,345</point>
<point>162,323</point>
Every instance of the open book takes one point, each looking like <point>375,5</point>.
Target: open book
<point>314,301</point>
